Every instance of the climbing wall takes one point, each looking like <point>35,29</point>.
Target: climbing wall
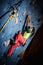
<point>26,8</point>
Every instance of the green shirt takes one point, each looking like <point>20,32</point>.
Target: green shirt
<point>27,33</point>
<point>28,29</point>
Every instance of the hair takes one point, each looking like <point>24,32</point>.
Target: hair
<point>33,29</point>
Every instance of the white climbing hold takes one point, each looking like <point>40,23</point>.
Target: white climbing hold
<point>6,43</point>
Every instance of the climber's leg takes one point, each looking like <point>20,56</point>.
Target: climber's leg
<point>11,49</point>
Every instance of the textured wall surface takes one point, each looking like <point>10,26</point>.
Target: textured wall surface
<point>12,28</point>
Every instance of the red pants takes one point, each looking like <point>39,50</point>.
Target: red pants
<point>20,40</point>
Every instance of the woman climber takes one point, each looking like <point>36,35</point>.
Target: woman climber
<point>21,38</point>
